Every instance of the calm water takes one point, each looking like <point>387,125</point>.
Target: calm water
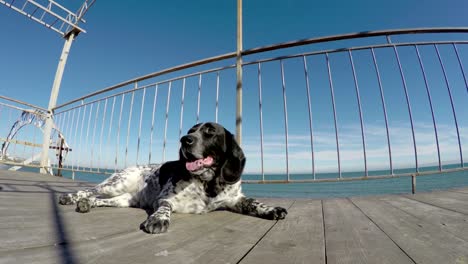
<point>328,189</point>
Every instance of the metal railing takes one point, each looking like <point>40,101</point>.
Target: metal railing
<point>20,139</point>
<point>357,106</point>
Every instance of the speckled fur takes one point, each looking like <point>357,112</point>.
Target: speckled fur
<point>170,187</point>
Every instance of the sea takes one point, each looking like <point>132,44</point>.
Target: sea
<point>319,190</point>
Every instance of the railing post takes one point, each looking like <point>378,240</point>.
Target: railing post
<point>239,74</point>
<point>49,123</point>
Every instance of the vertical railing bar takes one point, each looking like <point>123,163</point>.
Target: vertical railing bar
<point>461,65</point>
<point>217,96</point>
<point>430,105</point>
<point>181,110</point>
<point>451,104</point>
<point>71,134</point>
<point>10,121</point>
<point>128,125</point>
<point>59,124</point>
<point>24,149</point>
<point>64,125</point>
<point>102,133</point>
<point>66,130</point>
<point>81,136</point>
<point>309,107</point>
<point>31,139</point>
<point>87,129</point>
<point>111,120</point>
<point>389,40</point>
<point>408,104</point>
<point>59,127</point>
<point>139,126</point>
<point>199,96</point>
<point>75,139</point>
<point>167,117</point>
<point>34,141</point>
<point>152,122</point>
<point>384,107</point>
<point>118,133</point>
<point>94,133</point>
<point>261,118</point>
<point>69,128</point>
<point>358,97</point>
<point>16,145</point>
<point>330,80</point>
<point>285,119</point>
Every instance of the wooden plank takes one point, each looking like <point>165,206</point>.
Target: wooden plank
<point>297,239</point>
<point>352,238</point>
<point>450,200</point>
<point>38,230</point>
<point>453,222</point>
<point>178,245</point>
<point>46,230</point>
<point>234,240</point>
<point>423,241</point>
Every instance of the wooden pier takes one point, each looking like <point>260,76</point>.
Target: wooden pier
<point>422,228</point>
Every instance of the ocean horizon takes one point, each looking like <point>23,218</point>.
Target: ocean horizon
<point>318,190</point>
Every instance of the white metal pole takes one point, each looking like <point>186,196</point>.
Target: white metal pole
<point>52,103</point>
<point>239,74</point>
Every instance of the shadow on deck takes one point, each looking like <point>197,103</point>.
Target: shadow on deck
<point>422,228</point>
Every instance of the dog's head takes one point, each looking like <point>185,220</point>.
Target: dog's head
<point>210,150</point>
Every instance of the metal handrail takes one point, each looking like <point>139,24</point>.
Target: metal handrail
<point>275,47</point>
<point>23,103</point>
<point>364,34</point>
<point>152,75</point>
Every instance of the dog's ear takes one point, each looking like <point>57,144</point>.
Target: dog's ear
<point>232,168</point>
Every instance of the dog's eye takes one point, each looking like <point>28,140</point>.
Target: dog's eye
<point>210,130</point>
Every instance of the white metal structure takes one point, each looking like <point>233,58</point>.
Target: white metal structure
<point>51,14</point>
<point>65,22</point>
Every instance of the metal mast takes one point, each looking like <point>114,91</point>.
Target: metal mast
<point>239,74</point>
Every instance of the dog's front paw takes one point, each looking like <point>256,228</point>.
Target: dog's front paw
<point>83,205</point>
<point>65,199</point>
<point>156,225</point>
<point>277,213</point>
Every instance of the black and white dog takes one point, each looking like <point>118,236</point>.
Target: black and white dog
<point>205,178</point>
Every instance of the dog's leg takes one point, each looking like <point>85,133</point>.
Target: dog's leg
<point>159,221</point>
<point>249,206</point>
<point>73,198</point>
<point>128,180</point>
<point>84,205</point>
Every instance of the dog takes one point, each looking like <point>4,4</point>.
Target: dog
<point>205,178</point>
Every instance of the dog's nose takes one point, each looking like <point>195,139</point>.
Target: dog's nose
<point>187,140</point>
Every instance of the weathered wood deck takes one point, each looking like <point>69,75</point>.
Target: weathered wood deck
<point>424,228</point>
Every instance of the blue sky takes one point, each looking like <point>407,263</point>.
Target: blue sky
<point>129,39</point>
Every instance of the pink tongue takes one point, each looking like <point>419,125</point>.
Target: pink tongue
<point>198,164</point>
